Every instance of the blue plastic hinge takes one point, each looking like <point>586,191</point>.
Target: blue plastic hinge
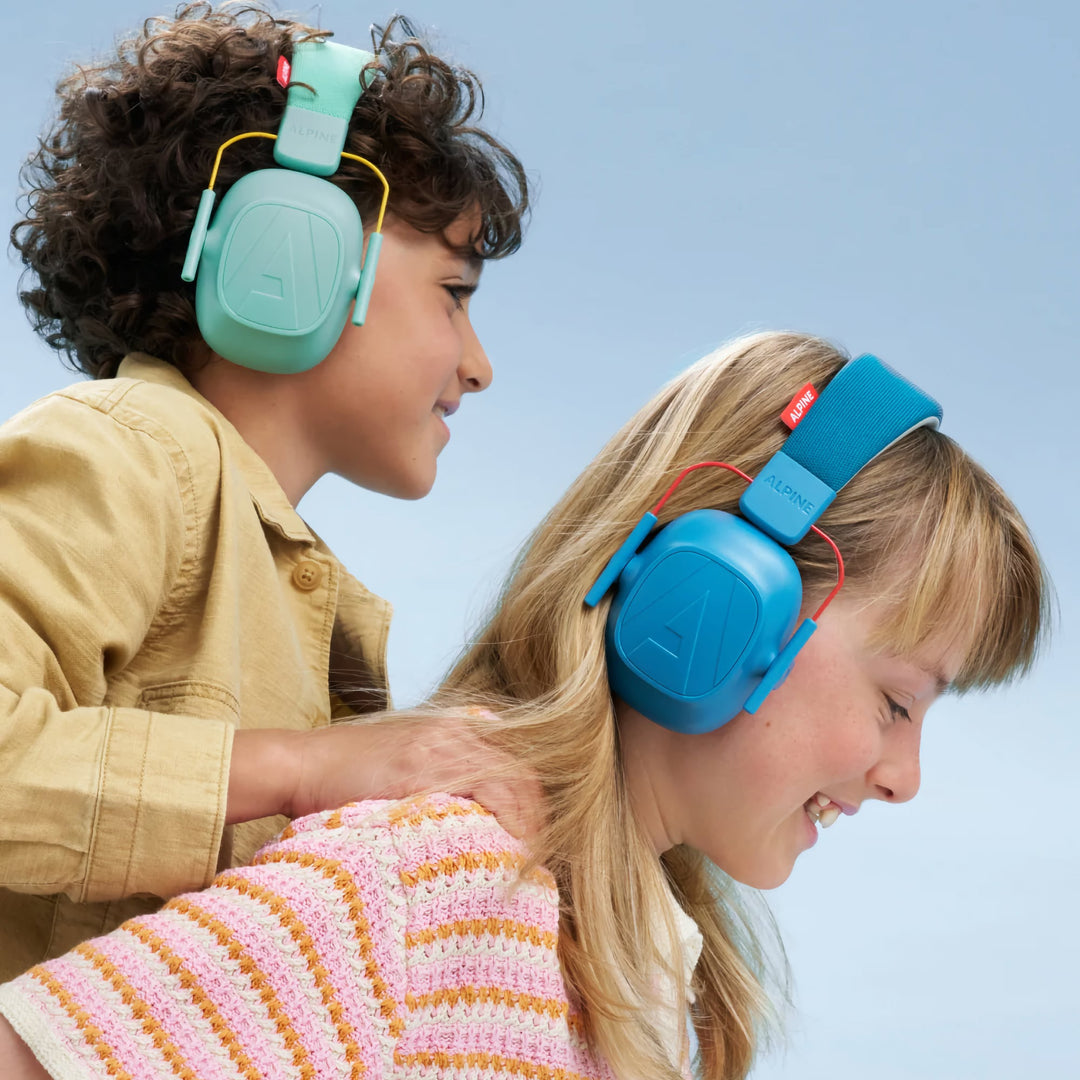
<point>198,235</point>
<point>617,562</point>
<point>780,667</point>
<point>785,499</point>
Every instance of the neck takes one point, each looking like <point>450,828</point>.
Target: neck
<point>263,411</point>
<point>642,748</point>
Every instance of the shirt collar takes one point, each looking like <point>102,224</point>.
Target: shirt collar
<point>690,940</point>
<point>271,503</point>
<point>674,993</point>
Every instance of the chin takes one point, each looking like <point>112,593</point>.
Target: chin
<point>761,877</point>
<point>415,488</point>
<point>407,488</point>
<point>408,494</point>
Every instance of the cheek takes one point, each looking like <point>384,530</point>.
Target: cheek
<point>810,731</point>
<point>848,747</point>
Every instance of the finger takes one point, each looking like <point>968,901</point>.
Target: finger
<point>518,806</point>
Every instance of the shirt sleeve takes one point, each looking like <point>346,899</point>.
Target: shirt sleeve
<point>96,802</point>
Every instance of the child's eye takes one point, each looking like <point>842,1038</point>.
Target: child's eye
<point>459,294</point>
<point>896,710</point>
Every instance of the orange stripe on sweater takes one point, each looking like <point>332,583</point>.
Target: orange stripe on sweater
<point>190,982</point>
<point>507,928</point>
<point>419,810</point>
<point>83,1021</point>
<point>139,1010</point>
<point>412,813</point>
<point>259,983</point>
<point>288,918</point>
<point>531,1070</point>
<point>467,861</point>
<point>488,995</point>
<point>343,881</point>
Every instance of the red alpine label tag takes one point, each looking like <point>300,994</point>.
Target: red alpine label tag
<point>798,406</point>
<point>284,70</point>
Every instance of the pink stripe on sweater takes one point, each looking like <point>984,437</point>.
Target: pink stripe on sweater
<point>326,920</point>
<point>487,970</point>
<point>453,1035</point>
<point>271,948</point>
<point>170,1004</point>
<point>229,989</point>
<point>357,857</point>
<point>82,980</point>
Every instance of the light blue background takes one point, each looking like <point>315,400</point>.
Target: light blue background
<point>901,178</point>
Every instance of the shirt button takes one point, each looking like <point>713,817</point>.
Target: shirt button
<point>307,575</point>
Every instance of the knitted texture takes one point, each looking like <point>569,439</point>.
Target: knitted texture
<point>379,940</point>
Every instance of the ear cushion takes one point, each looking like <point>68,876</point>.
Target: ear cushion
<point>699,616</point>
<point>279,270</point>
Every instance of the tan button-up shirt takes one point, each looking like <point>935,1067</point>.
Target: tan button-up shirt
<point>157,591</point>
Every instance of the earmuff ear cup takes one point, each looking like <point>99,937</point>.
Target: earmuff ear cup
<point>699,616</point>
<point>278,271</point>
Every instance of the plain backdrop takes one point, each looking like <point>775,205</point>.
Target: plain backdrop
<point>901,178</point>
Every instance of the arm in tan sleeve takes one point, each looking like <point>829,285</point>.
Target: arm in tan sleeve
<point>96,802</point>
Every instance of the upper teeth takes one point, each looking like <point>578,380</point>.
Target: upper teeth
<point>821,809</point>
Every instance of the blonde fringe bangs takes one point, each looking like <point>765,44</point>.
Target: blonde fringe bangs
<point>932,536</point>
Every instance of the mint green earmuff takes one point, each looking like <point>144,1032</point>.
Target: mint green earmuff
<point>278,267</point>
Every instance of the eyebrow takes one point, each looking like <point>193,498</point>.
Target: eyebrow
<point>941,684</point>
<point>467,253</point>
<point>474,267</point>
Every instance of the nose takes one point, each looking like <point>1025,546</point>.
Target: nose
<point>474,371</point>
<point>896,776</point>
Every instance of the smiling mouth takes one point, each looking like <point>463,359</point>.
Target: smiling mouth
<point>821,810</point>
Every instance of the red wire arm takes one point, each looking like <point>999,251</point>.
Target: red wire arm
<point>813,528</point>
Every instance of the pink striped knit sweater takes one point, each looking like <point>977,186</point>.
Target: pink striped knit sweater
<point>375,941</point>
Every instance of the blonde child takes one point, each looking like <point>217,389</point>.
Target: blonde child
<point>418,938</point>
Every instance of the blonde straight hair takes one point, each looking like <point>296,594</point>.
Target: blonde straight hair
<point>923,526</point>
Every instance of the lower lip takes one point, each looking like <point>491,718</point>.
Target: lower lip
<point>445,426</point>
<point>811,830</point>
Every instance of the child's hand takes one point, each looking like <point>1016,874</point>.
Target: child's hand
<point>305,772</point>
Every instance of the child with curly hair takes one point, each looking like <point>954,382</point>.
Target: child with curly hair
<point>178,642</point>
<point>417,938</point>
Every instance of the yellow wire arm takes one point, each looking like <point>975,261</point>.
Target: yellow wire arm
<point>267,135</point>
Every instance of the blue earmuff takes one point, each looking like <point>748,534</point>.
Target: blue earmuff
<point>278,267</point>
<point>703,622</point>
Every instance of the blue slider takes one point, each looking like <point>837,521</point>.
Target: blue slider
<point>617,562</point>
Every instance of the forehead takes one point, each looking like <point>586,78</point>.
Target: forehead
<point>933,653</point>
<point>461,238</point>
<point>446,250</point>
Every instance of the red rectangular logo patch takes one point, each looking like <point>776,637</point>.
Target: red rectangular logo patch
<point>284,70</point>
<point>799,406</point>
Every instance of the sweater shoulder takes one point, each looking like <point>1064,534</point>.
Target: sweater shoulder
<point>427,839</point>
<point>455,871</point>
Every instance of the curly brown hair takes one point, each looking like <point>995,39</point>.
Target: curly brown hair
<point>114,185</point>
